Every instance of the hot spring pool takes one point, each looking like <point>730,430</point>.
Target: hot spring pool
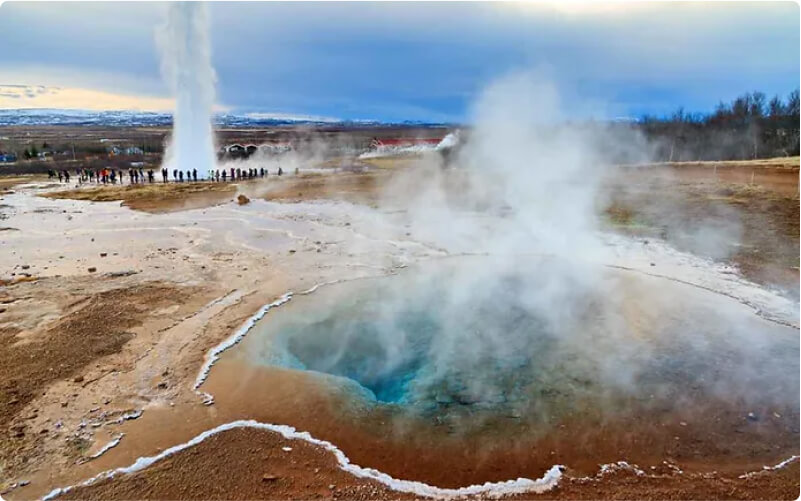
<point>544,340</point>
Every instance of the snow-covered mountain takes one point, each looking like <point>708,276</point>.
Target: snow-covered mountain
<point>23,117</point>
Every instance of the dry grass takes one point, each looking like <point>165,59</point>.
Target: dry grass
<point>156,197</point>
<point>772,163</point>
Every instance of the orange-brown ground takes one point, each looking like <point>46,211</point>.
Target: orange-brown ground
<point>58,318</point>
<point>762,216</point>
<point>51,329</point>
<point>251,464</point>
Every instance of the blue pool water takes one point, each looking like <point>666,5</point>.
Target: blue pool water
<point>528,341</point>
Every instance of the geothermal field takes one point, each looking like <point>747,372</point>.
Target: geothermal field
<point>520,308</point>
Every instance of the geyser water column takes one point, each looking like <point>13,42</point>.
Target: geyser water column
<point>186,66</point>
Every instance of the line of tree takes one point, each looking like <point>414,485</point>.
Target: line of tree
<point>749,127</point>
<point>32,153</point>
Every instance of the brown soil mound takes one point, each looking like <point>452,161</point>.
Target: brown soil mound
<point>357,187</point>
<point>157,197</point>
<point>252,464</point>
<point>241,464</point>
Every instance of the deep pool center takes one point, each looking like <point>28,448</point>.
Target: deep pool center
<point>543,341</point>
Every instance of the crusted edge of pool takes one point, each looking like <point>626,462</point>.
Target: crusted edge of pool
<point>494,489</point>
<point>548,481</point>
<point>213,355</point>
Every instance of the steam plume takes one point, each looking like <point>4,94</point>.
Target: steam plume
<point>186,66</point>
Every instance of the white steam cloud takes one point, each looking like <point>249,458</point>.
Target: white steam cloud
<point>524,191</point>
<point>186,66</point>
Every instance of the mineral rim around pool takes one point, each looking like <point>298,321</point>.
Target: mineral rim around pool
<point>501,369</point>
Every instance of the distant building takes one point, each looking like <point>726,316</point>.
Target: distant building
<point>275,148</point>
<point>404,142</point>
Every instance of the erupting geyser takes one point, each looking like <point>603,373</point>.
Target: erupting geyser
<point>186,66</point>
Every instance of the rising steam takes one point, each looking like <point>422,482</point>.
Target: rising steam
<point>538,312</point>
<point>186,66</point>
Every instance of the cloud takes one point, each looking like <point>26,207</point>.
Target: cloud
<point>40,96</point>
<point>401,61</point>
<point>19,96</point>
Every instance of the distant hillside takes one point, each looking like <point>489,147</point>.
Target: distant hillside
<point>38,117</point>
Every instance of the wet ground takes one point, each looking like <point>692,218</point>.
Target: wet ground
<point>239,258</point>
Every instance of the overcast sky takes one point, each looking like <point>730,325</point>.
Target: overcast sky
<point>398,61</point>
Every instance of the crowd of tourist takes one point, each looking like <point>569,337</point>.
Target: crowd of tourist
<point>140,176</point>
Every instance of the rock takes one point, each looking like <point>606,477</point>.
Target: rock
<point>162,385</point>
<point>78,379</point>
<point>752,417</point>
<point>25,266</point>
<point>269,478</point>
<point>116,274</point>
<point>92,269</point>
<point>103,254</point>
<point>292,251</point>
<point>242,200</point>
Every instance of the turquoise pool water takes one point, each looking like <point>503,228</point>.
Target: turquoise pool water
<point>531,340</point>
